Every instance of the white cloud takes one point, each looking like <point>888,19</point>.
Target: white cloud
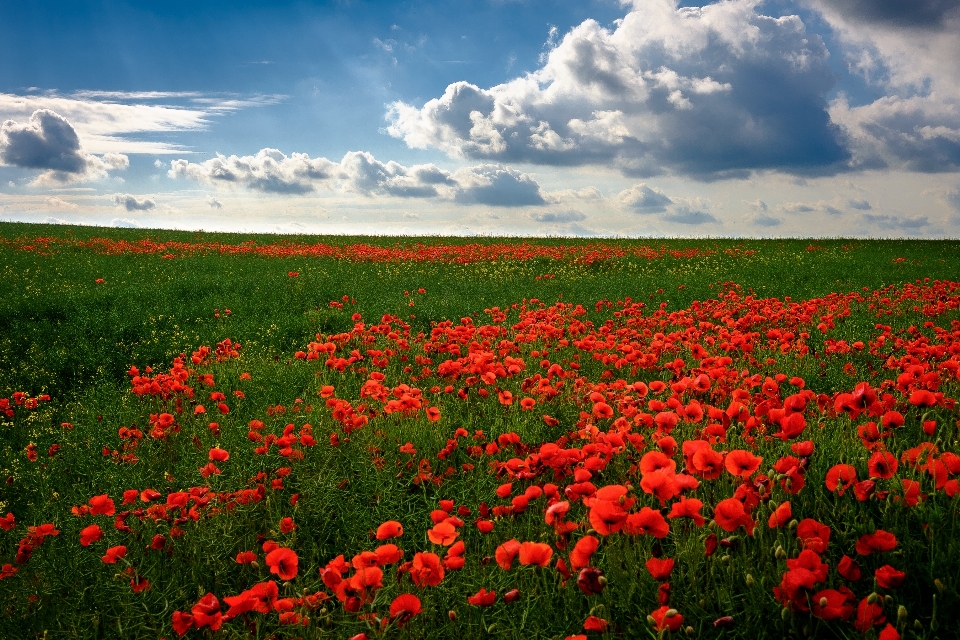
<point>214,203</point>
<point>709,91</point>
<point>558,216</point>
<point>132,203</point>
<point>271,171</point>
<point>53,220</point>
<point>59,203</point>
<point>125,223</point>
<point>49,142</point>
<point>643,199</point>
<point>109,121</point>
<point>896,223</point>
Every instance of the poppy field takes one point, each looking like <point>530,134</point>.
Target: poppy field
<point>225,436</point>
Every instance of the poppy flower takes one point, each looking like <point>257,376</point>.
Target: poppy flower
<point>882,464</point>
<point>687,508</point>
<point>888,577</point>
<point>730,515</point>
<point>102,505</point>
<point>506,552</point>
<point>848,569</point>
<point>840,477</point>
<point>876,542</point>
<point>666,619</point>
<point>113,554</point>
<point>591,581</point>
<point>647,521</point>
<point>660,568</point>
<point>426,570</point>
<point>780,516</point>
<point>283,562</point>
<point>219,455</point>
<point>538,553</point>
<point>833,604</point>
<point>404,607</point>
<point>246,557</point>
<point>443,533</point>
<point>206,613</point>
<point>182,622</point>
<point>582,551</point>
<point>482,598</point>
<point>287,525</point>
<point>869,615</point>
<point>89,535</point>
<point>593,623</point>
<point>388,554</point>
<point>707,463</point>
<point>742,464</point>
<point>660,483</point>
<point>813,535</point>
<point>389,529</point>
<point>484,526</point>
<point>607,517</point>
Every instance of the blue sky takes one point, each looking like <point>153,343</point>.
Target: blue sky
<point>521,117</point>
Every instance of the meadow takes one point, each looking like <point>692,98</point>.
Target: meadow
<point>237,436</point>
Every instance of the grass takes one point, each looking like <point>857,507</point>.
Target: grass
<point>66,335</point>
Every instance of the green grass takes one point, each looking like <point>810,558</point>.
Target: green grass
<point>66,335</point>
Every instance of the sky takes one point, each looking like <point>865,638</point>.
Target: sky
<point>629,118</point>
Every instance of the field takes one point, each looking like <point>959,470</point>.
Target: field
<point>214,435</point>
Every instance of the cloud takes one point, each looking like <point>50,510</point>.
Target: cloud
<point>558,216</point>
<point>496,185</point>
<point>922,14</point>
<point>898,223</point>
<point>861,205</point>
<point>811,207</point>
<point>214,203</point>
<point>584,194</point>
<point>53,220</point>
<point>131,203</point>
<point>59,203</point>
<point>125,223</point>
<point>112,121</point>
<point>952,198</point>
<point>48,141</point>
<point>684,214</point>
<point>643,199</point>
<point>271,171</point>
<point>710,92</point>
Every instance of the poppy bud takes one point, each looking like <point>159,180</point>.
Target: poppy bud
<point>492,628</point>
<point>823,601</point>
<point>452,615</point>
<point>254,564</point>
<point>901,615</point>
<point>689,631</point>
<point>872,598</point>
<point>785,614</point>
<point>917,625</point>
<point>939,585</point>
<point>725,558</point>
<point>780,553</point>
<point>670,613</point>
<point>793,524</point>
<point>651,620</point>
<point>750,581</point>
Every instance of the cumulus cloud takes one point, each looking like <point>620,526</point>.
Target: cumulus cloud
<point>125,223</point>
<point>54,220</point>
<point>132,203</point>
<point>496,185</point>
<point>47,141</point>
<point>59,203</point>
<point>897,223</point>
<point>558,216</point>
<point>707,91</point>
<point>684,214</point>
<point>860,205</point>
<point>911,52</point>
<point>810,207</point>
<point>114,121</point>
<point>271,171</point>
<point>214,203</point>
<point>643,199</point>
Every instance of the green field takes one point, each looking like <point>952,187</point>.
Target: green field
<point>361,338</point>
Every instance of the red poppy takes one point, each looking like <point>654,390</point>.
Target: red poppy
<point>876,542</point>
<point>833,604</point>
<point>538,553</point>
<point>506,552</point>
<point>287,525</point>
<point>389,529</point>
<point>707,463</point>
<point>246,557</point>
<point>813,535</point>
<point>206,613</point>
<point>666,619</point>
<point>840,477</point>
<point>102,505</point>
<point>113,554</point>
<point>182,622</point>
<point>404,607</point>
<point>482,598</point>
<point>888,577</point>
<point>89,535</point>
<point>647,521</point>
<point>730,515</point>
<point>443,533</point>
<point>882,464</point>
<point>687,508</point>
<point>606,517</point>
<point>780,516</point>
<point>426,570</point>
<point>742,463</point>
<point>848,569</point>
<point>582,551</point>
<point>869,614</point>
<point>283,562</point>
<point>593,623</point>
<point>660,568</point>
<point>219,455</point>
